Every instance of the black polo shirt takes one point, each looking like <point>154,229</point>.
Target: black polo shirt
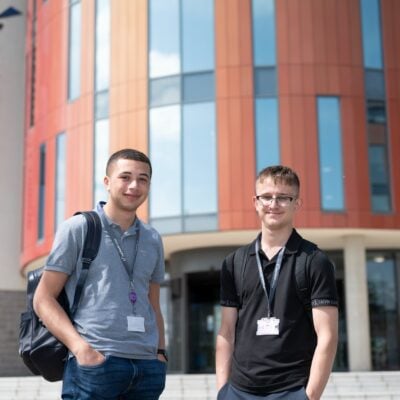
<point>269,363</point>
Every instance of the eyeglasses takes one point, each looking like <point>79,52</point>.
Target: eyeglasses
<point>282,200</point>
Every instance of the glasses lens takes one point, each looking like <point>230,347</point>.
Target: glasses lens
<point>280,200</point>
<point>283,200</point>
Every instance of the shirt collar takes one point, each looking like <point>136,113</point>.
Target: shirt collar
<point>292,245</point>
<point>132,229</point>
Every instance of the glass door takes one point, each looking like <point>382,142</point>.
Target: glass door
<point>203,317</point>
<point>384,310</point>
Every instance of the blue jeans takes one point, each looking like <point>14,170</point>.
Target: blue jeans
<point>114,379</point>
<point>229,392</point>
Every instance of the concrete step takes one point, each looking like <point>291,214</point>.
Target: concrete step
<point>341,386</point>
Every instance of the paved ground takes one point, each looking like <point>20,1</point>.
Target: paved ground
<point>341,386</point>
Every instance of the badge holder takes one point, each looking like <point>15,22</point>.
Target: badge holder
<point>135,322</point>
<point>268,326</point>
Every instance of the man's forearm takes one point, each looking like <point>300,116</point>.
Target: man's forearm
<point>161,330</point>
<point>321,368</point>
<point>326,327</point>
<point>223,360</point>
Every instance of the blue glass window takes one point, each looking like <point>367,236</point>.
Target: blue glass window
<point>102,45</point>
<point>374,84</point>
<point>60,178</point>
<point>380,195</point>
<point>165,148</point>
<point>165,58</point>
<point>199,162</point>
<point>198,35</point>
<point>376,113</point>
<point>376,108</point>
<point>267,133</point>
<point>371,33</point>
<point>165,91</point>
<point>101,99</point>
<point>42,191</point>
<point>330,153</point>
<point>74,71</point>
<point>198,87</point>
<point>265,82</point>
<point>101,151</point>
<point>377,156</point>
<point>101,104</point>
<point>264,38</point>
<point>182,114</point>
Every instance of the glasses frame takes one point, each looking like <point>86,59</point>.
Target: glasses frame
<point>279,199</point>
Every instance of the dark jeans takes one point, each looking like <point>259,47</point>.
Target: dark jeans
<point>115,379</point>
<point>229,392</point>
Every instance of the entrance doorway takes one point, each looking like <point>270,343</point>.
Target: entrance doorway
<point>204,320</point>
<point>384,310</point>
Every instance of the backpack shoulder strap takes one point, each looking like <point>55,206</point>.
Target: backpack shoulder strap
<point>89,253</point>
<point>33,279</point>
<point>239,260</point>
<point>301,274</point>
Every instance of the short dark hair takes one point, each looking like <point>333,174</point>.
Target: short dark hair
<point>280,174</point>
<point>128,154</point>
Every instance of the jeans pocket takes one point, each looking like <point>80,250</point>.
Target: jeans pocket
<point>91,367</point>
<point>222,392</point>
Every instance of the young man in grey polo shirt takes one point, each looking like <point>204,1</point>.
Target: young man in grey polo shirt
<point>116,340</point>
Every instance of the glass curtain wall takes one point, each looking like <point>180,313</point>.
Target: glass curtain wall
<point>60,183</point>
<point>101,98</point>
<point>330,153</point>
<point>377,135</point>
<point>182,115</point>
<point>265,84</point>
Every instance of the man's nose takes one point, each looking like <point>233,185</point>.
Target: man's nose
<point>133,184</point>
<point>274,202</point>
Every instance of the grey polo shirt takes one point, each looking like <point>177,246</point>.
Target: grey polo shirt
<point>101,317</point>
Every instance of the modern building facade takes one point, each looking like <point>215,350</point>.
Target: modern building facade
<point>214,90</point>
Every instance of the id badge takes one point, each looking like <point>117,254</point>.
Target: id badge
<point>268,326</point>
<point>135,323</point>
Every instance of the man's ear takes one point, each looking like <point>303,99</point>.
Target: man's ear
<point>106,181</point>
<point>255,202</point>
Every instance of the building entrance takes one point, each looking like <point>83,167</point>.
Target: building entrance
<point>384,309</point>
<point>204,320</point>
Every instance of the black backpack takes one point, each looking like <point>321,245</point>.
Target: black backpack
<point>41,352</point>
<point>306,251</point>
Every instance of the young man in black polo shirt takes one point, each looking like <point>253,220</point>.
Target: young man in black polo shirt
<point>267,346</point>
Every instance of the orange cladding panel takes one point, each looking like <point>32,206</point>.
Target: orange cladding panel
<point>128,81</point>
<point>235,122</point>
